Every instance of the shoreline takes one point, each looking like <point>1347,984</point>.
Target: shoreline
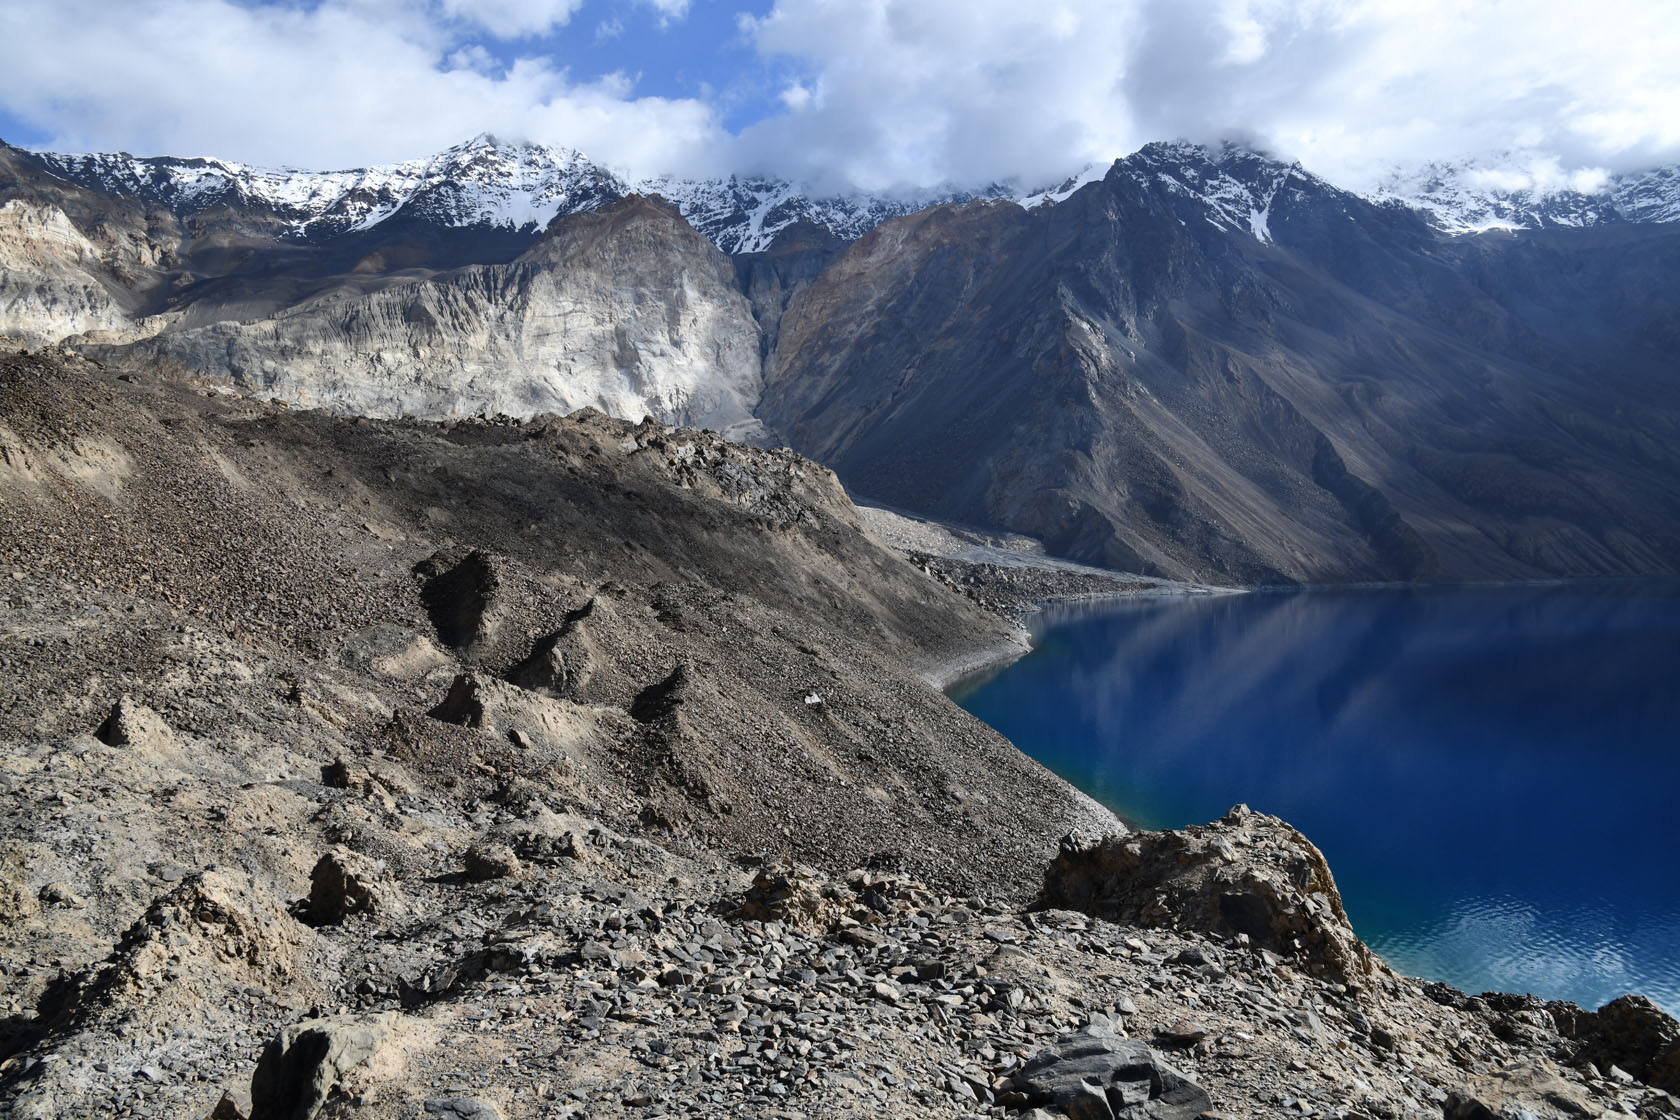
<point>955,687</point>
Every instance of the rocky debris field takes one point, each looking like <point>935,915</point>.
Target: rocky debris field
<point>577,768</point>
<point>1016,589</point>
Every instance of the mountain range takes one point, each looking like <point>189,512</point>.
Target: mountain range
<point>1198,362</point>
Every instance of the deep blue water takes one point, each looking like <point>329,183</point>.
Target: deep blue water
<point>1492,772</point>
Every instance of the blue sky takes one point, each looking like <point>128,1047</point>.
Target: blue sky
<point>877,94</point>
<point>700,53</point>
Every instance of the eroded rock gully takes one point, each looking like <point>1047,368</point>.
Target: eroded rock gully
<point>281,843</point>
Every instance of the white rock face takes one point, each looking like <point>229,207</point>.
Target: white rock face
<point>625,309</point>
<point>49,278</point>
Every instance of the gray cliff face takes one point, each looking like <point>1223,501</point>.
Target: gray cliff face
<point>50,285</point>
<point>71,261</point>
<point>625,309</point>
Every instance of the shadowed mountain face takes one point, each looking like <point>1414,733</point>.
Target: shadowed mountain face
<point>1218,367</point>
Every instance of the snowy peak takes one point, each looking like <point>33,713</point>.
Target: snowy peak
<point>1231,187</point>
<point>485,181</point>
<point>745,215</point>
<point>491,182</point>
<point>1045,196</point>
<point>1509,192</point>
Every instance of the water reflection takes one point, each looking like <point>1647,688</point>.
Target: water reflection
<point>1492,772</point>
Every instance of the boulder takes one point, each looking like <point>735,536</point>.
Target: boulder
<point>1097,1075</point>
<point>1528,1087</point>
<point>1632,1033</point>
<point>788,893</point>
<point>462,596</point>
<point>309,1062</point>
<point>345,883</point>
<point>1247,873</point>
<point>490,861</point>
<point>133,724</point>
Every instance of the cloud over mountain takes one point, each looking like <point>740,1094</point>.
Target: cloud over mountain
<point>874,93</point>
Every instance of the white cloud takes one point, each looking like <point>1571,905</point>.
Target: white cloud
<point>513,19</point>
<point>920,90</point>
<point>669,10</point>
<point>341,84</point>
<point>475,58</point>
<point>874,93</point>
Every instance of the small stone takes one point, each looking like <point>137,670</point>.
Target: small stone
<point>59,894</point>
<point>463,1108</point>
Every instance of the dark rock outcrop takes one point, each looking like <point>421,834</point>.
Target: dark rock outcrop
<point>460,596</point>
<point>1631,1033</point>
<point>345,883</point>
<point>1097,1075</point>
<point>1246,874</point>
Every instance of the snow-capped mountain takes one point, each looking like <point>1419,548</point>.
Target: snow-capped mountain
<point>513,185</point>
<point>744,215</point>
<point>1476,195</point>
<point>488,181</point>
<point>485,181</point>
<point>1231,187</point>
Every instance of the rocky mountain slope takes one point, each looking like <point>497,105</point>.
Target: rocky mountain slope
<point>385,769</point>
<point>1212,365</point>
<point>1205,364</point>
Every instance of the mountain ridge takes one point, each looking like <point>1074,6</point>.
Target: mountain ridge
<point>490,181</point>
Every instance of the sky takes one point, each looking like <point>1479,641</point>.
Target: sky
<point>872,94</point>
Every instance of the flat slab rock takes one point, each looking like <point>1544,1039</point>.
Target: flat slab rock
<point>1097,1075</point>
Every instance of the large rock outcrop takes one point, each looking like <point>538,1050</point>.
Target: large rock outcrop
<point>1246,874</point>
<point>1631,1033</point>
<point>49,277</point>
<point>310,1062</point>
<point>626,309</point>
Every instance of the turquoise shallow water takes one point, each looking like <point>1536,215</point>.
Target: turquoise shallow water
<point>1492,772</point>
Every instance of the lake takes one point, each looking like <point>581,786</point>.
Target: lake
<point>1493,772</point>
